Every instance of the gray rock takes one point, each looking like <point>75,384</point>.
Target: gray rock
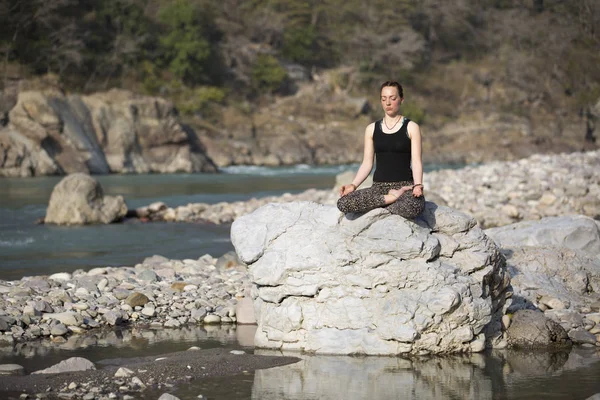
<point>11,369</point>
<point>576,232</point>
<point>147,276</point>
<point>113,318</point>
<point>59,330</point>
<point>167,396</point>
<point>72,364</point>
<point>78,199</point>
<point>67,318</point>
<point>532,329</point>
<point>581,336</point>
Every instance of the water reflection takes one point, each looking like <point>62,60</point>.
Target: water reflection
<point>124,342</point>
<point>521,375</point>
<point>498,375</point>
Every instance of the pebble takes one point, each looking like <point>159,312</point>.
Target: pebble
<point>212,319</point>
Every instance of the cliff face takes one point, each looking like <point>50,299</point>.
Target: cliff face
<point>48,132</point>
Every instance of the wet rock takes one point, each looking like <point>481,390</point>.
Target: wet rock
<point>11,369</point>
<point>72,364</point>
<point>532,329</point>
<point>581,336</point>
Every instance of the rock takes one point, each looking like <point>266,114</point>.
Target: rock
<point>237,352</point>
<point>78,199</point>
<point>505,322</point>
<point>11,369</point>
<point>147,275</point>
<point>113,318</point>
<point>167,396</point>
<point>67,317</point>
<point>58,330</point>
<point>317,277</point>
<point>53,133</point>
<point>124,373</point>
<point>244,311</point>
<point>212,319</point>
<point>61,276</point>
<point>581,336</point>
<point>531,329</point>
<point>72,364</point>
<point>137,299</point>
<point>576,232</point>
<point>559,277</point>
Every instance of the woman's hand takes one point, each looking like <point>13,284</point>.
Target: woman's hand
<point>417,190</point>
<point>344,190</point>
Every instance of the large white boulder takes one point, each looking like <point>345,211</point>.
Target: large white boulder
<point>78,199</point>
<point>370,284</point>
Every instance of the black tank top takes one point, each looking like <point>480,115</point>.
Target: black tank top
<point>392,154</point>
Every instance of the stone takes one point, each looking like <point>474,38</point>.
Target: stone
<point>244,311</point>
<point>505,322</point>
<point>581,336</point>
<point>124,373</point>
<point>58,330</point>
<point>78,199</point>
<point>61,276</point>
<point>559,277</point>
<point>167,396</point>
<point>113,318</point>
<point>314,272</point>
<point>212,319</point>
<point>11,369</point>
<point>67,318</point>
<point>575,232</point>
<point>532,329</point>
<point>136,299</point>
<point>72,364</point>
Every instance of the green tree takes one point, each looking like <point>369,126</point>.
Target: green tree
<point>267,74</point>
<point>188,46</point>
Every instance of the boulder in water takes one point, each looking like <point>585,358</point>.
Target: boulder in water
<point>78,199</point>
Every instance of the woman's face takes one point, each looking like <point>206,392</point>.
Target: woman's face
<point>390,100</point>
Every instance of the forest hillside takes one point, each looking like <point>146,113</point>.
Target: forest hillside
<point>287,81</point>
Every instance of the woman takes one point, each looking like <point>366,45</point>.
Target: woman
<point>395,142</point>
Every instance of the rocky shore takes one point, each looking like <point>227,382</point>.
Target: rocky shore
<point>496,194</point>
<point>157,292</point>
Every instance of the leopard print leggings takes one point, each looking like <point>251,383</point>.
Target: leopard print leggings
<point>363,200</point>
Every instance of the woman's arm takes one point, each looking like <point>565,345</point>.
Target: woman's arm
<point>367,163</point>
<point>414,132</point>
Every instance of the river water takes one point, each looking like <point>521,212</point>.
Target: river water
<point>494,375</point>
<point>30,249</point>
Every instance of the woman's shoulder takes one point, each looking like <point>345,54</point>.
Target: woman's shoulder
<point>413,128</point>
<point>370,130</point>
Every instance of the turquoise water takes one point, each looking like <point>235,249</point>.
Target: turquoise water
<point>30,249</point>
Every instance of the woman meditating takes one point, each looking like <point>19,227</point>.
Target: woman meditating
<point>395,143</point>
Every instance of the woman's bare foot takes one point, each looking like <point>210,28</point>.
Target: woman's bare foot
<point>394,194</point>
